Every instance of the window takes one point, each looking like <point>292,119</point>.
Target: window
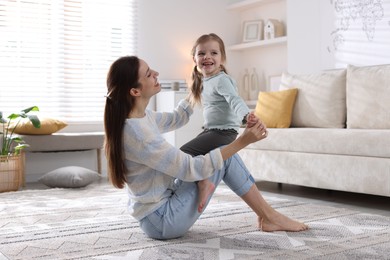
<point>55,54</point>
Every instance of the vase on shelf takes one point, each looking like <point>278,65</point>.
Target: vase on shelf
<point>245,85</point>
<point>254,85</point>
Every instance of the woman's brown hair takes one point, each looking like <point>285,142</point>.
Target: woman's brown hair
<point>197,86</point>
<point>122,76</point>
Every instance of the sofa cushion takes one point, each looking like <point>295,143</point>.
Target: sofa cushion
<point>368,97</point>
<point>340,141</point>
<point>275,108</point>
<point>320,101</point>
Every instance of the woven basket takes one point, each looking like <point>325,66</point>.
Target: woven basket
<point>11,172</point>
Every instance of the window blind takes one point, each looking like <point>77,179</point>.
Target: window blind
<point>55,54</point>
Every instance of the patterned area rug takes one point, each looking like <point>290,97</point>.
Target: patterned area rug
<point>93,223</point>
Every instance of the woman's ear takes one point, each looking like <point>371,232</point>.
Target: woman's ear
<point>135,92</point>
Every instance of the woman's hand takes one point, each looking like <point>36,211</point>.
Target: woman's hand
<point>254,133</point>
<point>250,135</point>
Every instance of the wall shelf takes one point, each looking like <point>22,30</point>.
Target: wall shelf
<point>246,4</point>
<point>244,46</point>
<point>269,56</point>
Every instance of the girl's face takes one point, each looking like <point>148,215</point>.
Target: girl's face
<point>208,58</point>
<point>148,79</point>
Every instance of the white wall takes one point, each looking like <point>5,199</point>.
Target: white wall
<point>169,28</point>
<point>303,48</point>
<point>167,31</point>
<point>267,60</point>
<point>321,36</point>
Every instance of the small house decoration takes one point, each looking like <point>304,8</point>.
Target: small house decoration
<point>272,29</point>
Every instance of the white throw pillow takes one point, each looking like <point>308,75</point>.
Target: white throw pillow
<point>368,97</point>
<point>321,98</point>
<point>69,177</point>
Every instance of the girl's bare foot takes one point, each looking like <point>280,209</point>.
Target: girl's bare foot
<point>206,188</point>
<point>279,222</point>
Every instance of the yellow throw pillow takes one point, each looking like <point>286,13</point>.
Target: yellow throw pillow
<point>48,126</point>
<point>275,108</point>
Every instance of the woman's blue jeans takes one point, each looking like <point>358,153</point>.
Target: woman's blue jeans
<point>176,217</point>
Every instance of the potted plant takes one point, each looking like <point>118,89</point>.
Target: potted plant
<point>11,159</point>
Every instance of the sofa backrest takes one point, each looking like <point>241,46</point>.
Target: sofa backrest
<point>321,98</point>
<point>368,97</point>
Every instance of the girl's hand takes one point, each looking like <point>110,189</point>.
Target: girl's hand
<point>251,119</point>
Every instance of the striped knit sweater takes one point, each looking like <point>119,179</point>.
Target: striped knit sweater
<point>153,164</point>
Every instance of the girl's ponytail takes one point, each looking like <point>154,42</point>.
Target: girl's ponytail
<point>196,87</point>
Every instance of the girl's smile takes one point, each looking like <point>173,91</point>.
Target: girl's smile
<point>208,58</point>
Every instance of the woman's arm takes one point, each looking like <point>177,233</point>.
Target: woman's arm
<point>147,151</point>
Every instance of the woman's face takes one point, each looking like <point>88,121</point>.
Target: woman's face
<point>208,58</point>
<point>148,80</point>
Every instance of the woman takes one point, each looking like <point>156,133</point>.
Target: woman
<point>162,180</point>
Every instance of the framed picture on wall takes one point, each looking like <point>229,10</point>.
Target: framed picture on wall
<point>253,31</point>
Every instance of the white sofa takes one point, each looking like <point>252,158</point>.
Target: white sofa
<point>339,138</point>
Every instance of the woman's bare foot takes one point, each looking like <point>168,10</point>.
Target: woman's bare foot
<point>279,222</point>
<point>206,188</point>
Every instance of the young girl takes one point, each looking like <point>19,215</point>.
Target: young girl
<point>160,179</point>
<point>224,111</point>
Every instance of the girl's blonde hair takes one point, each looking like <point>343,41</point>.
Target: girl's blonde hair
<point>197,86</point>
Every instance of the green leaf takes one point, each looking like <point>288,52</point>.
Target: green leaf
<point>23,113</point>
<point>13,116</point>
<point>35,121</point>
<point>16,139</point>
<point>33,108</point>
<point>20,147</point>
<point>8,138</point>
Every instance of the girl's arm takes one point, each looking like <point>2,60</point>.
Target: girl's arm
<point>228,90</point>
